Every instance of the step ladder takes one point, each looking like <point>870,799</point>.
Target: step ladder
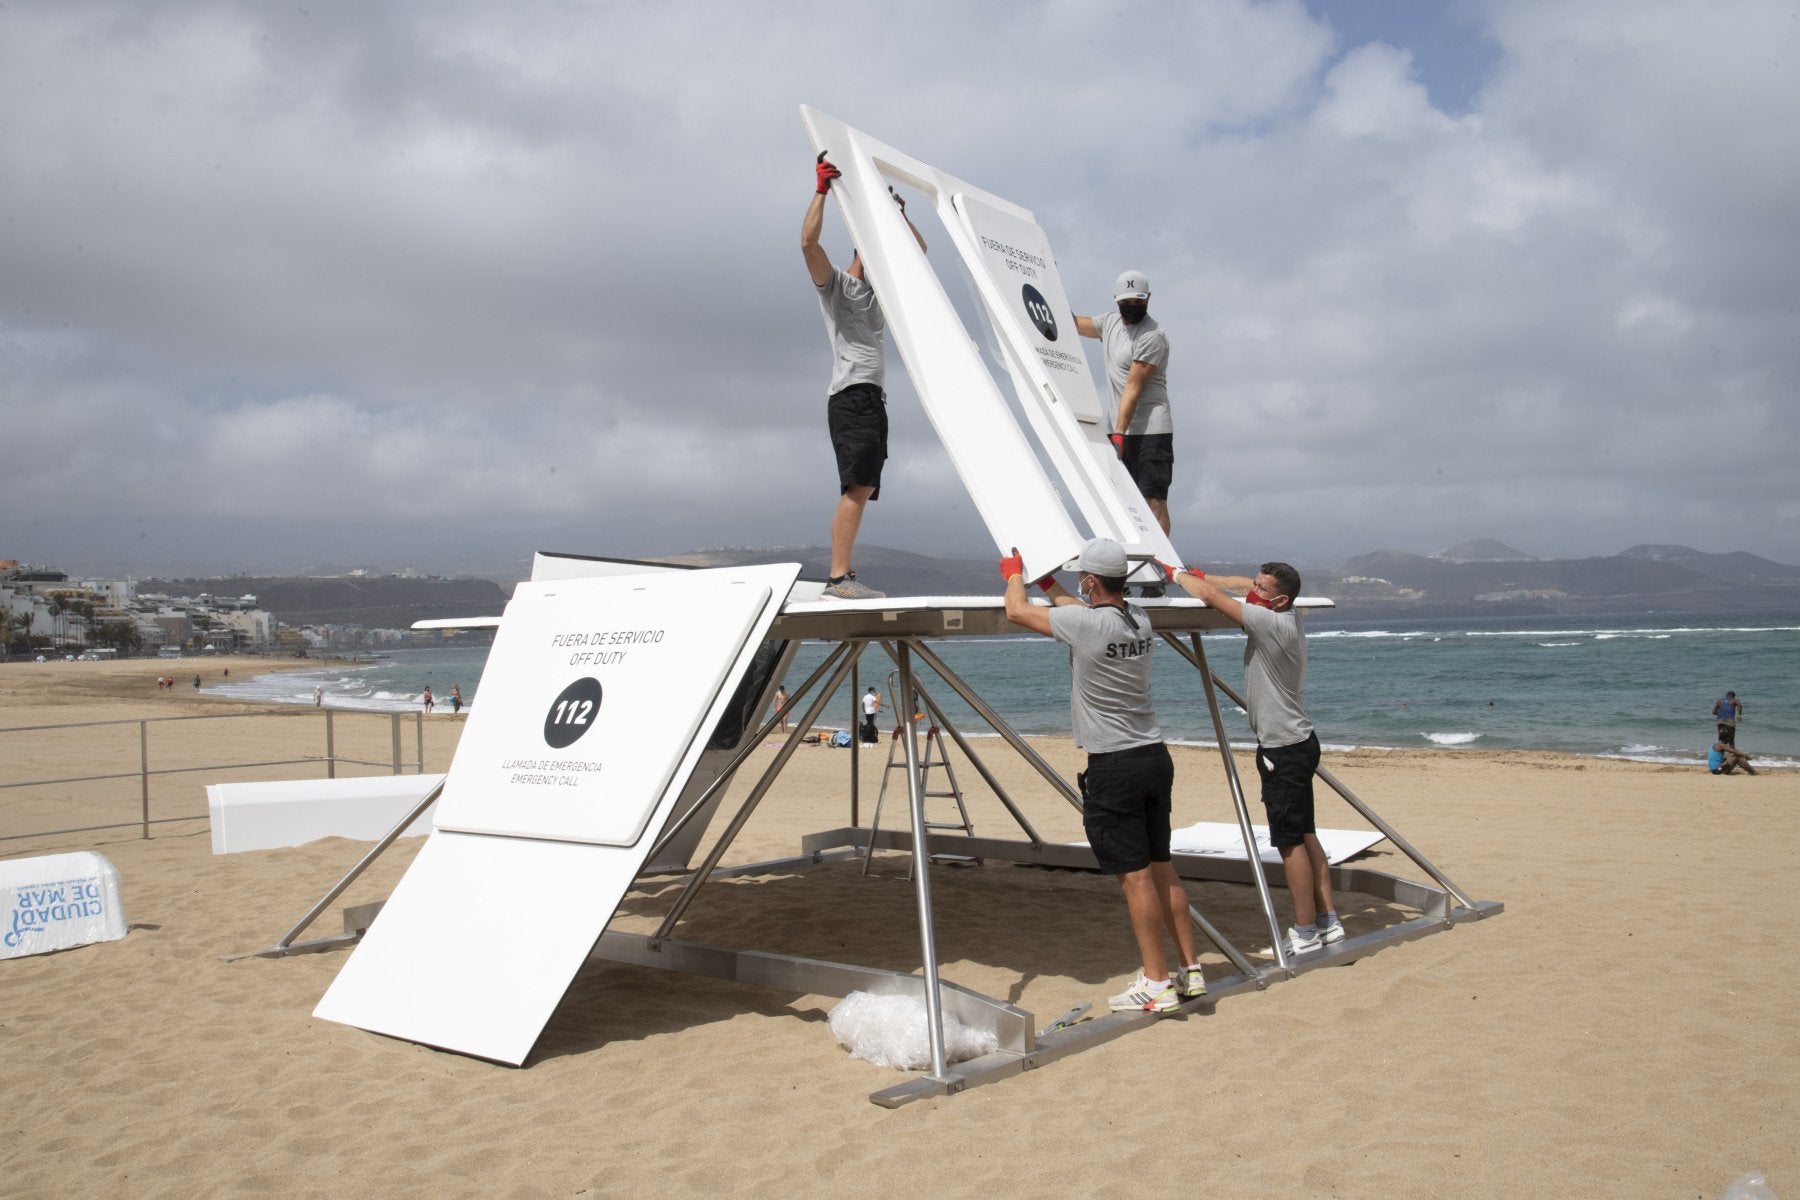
<point>933,757</point>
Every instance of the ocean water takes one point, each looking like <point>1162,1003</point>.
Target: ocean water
<point>1639,688</point>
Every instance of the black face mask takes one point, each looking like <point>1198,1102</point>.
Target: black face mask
<point>1132,311</point>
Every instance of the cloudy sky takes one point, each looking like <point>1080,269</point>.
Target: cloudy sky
<point>309,285</point>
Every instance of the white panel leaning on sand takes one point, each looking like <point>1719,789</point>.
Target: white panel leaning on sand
<point>57,902</point>
<point>593,702</point>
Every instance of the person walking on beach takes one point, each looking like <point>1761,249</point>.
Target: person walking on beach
<point>857,410</point>
<point>1287,748</point>
<point>781,706</point>
<point>318,697</point>
<point>1137,368</point>
<point>1126,789</point>
<point>1725,759</point>
<point>427,700</point>
<point>1727,712</point>
<point>455,698</point>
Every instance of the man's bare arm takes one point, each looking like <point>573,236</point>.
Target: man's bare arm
<point>1128,398</point>
<point>1211,594</point>
<point>1087,327</point>
<point>818,265</point>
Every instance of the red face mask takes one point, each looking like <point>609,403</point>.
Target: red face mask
<point>1255,597</point>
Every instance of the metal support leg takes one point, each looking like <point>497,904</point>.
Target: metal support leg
<point>745,750</point>
<point>1369,815</point>
<point>997,724</point>
<point>1198,658</point>
<point>705,869</point>
<point>934,1005</point>
<point>981,769</point>
<point>283,944</point>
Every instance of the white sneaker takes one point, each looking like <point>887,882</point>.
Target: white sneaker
<point>1190,982</point>
<point>852,588</point>
<point>1146,996</point>
<point>1333,934</point>
<point>1301,945</point>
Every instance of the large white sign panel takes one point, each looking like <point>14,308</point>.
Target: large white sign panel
<point>995,240</point>
<point>479,941</point>
<point>593,692</point>
<point>1030,314</point>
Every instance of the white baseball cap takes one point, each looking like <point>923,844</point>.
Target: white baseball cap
<point>1132,285</point>
<point>1103,557</point>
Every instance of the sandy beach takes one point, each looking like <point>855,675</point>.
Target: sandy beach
<point>1622,1029</point>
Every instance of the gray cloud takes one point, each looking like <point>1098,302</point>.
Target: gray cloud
<point>452,276</point>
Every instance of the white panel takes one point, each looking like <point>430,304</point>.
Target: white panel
<point>292,812</point>
<point>592,697</point>
<point>1017,280</point>
<point>479,941</point>
<point>1017,501</point>
<point>1019,504</point>
<point>57,902</point>
<point>1222,839</point>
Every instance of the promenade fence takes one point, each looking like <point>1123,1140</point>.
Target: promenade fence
<point>143,757</point>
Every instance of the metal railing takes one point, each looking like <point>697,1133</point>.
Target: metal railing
<point>143,772</point>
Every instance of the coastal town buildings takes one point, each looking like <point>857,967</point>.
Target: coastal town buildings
<point>46,612</point>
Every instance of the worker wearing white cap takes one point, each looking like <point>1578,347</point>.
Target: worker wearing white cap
<point>1125,791</point>
<point>1137,368</point>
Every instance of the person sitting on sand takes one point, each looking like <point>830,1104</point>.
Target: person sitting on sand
<point>1726,759</point>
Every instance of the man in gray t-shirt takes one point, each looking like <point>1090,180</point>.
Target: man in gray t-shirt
<point>857,409</point>
<point>1287,749</point>
<point>1125,791</point>
<point>1137,368</point>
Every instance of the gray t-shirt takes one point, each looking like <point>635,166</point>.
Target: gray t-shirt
<point>1144,342</point>
<point>1109,702</point>
<point>854,324</point>
<point>1275,676</point>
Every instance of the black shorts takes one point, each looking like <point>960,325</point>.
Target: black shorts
<point>1125,807</point>
<point>1287,789</point>
<point>1150,458</point>
<point>859,432</point>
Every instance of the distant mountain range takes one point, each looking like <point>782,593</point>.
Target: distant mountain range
<point>1477,578</point>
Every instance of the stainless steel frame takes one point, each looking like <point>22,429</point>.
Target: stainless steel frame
<point>900,633</point>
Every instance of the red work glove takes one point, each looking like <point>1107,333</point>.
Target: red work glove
<point>1046,583</point>
<point>824,172</point>
<point>1118,441</point>
<point>1012,564</point>
<point>1171,572</point>
<point>898,199</point>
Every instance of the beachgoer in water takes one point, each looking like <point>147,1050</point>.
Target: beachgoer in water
<point>1727,713</point>
<point>429,702</point>
<point>456,697</point>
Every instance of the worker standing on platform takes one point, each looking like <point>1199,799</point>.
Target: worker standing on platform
<point>1287,748</point>
<point>1126,788</point>
<point>1137,368</point>
<point>857,410</point>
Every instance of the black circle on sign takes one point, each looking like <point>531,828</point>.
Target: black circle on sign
<point>572,713</point>
<point>1038,309</point>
